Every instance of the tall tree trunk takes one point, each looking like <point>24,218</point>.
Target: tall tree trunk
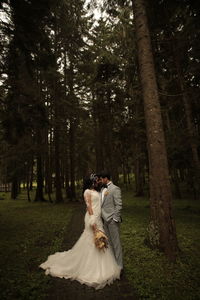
<point>40,177</point>
<point>39,190</point>
<point>162,231</point>
<point>67,186</point>
<point>51,159</point>
<point>58,186</point>
<point>72,159</point>
<point>124,173</point>
<point>97,133</point>
<point>110,147</point>
<point>190,127</point>
<point>72,131</point>
<point>57,126</point>
<point>66,159</point>
<point>139,150</point>
<point>28,180</point>
<point>28,190</point>
<point>48,171</point>
<point>176,180</point>
<point>139,174</point>
<point>31,174</point>
<point>46,161</point>
<point>14,188</point>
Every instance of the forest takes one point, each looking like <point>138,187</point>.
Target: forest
<point>87,86</point>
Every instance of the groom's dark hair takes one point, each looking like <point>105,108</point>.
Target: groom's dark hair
<point>105,175</point>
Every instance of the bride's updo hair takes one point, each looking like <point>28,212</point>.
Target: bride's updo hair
<point>90,182</point>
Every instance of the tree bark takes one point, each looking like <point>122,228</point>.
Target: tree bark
<point>48,170</point>
<point>72,130</point>
<point>72,159</point>
<point>56,98</point>
<point>98,141</point>
<point>58,186</point>
<point>28,180</point>
<point>111,155</point>
<point>39,190</point>
<point>190,127</point>
<point>175,179</point>
<point>31,174</point>
<point>139,176</point>
<point>67,186</point>
<point>39,196</point>
<point>14,188</point>
<point>162,231</point>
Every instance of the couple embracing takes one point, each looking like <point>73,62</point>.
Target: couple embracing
<point>96,258</point>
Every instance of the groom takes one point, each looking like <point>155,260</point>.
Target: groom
<point>111,205</point>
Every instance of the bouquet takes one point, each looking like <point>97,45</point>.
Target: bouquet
<point>100,240</point>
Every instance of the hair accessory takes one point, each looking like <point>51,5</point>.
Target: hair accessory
<point>93,177</point>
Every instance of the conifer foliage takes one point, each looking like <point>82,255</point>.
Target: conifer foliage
<point>93,85</point>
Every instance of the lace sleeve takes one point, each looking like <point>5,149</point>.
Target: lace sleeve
<point>87,198</point>
<point>88,201</point>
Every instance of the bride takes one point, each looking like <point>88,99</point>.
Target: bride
<point>85,262</point>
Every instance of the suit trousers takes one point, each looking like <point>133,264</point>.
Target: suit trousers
<point>112,230</point>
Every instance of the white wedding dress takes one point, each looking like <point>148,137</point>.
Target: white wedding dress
<point>84,262</point>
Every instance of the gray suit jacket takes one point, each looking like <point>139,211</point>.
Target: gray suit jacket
<point>112,204</point>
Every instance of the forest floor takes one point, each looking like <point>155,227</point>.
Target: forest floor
<point>30,231</point>
<point>62,289</point>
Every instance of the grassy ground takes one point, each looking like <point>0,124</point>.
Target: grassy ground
<point>31,231</point>
<point>28,232</point>
<point>148,270</point>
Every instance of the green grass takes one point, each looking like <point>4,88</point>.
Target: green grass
<point>148,270</point>
<point>29,232</point>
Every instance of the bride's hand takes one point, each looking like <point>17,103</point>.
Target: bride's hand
<point>94,228</point>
